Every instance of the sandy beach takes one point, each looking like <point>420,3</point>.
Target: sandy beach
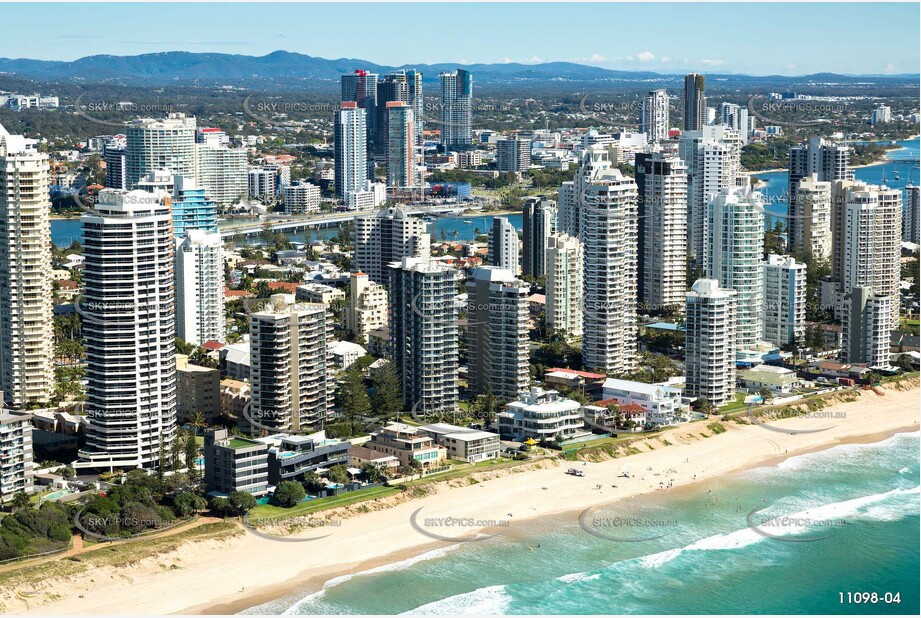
<point>232,575</point>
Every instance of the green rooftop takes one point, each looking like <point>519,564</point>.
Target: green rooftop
<point>236,443</point>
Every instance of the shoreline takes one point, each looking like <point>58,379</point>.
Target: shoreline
<point>316,583</point>
<point>201,578</point>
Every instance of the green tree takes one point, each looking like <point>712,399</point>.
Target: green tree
<point>220,505</point>
<point>190,448</point>
<point>387,395</point>
<point>372,473</point>
<point>241,501</point>
<point>20,500</point>
<point>288,494</point>
<point>187,503</point>
<point>338,474</point>
<point>352,400</point>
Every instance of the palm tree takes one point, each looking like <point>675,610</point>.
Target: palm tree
<point>197,421</point>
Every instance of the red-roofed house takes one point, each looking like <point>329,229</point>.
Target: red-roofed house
<point>233,294</point>
<point>586,382</point>
<point>283,287</point>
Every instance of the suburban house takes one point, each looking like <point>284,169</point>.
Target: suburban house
<point>634,417</point>
<point>542,415</point>
<point>407,443</point>
<point>779,380</point>
<point>464,443</point>
<point>361,455</point>
<point>586,382</point>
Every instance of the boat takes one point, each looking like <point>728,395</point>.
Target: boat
<point>575,472</point>
<point>468,220</point>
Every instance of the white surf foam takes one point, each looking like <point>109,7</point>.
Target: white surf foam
<point>483,601</point>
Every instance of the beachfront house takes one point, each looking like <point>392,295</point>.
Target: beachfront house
<point>779,380</point>
<point>463,443</point>
<point>359,456</point>
<point>542,415</point>
<point>292,457</point>
<point>661,402</point>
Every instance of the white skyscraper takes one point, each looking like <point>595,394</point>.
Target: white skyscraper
<point>456,108</point>
<point>662,184</point>
<point>497,332</point>
<point>812,209</point>
<point>387,237</point>
<point>734,250</point>
<point>567,217</point>
<point>654,117</point>
<point>709,342</point>
<point>160,144</point>
<point>222,172</point>
<point>128,312</point>
<point>871,242</point>
<point>609,240</point>
<point>564,284</point>
<point>291,365</point>
<point>351,158</point>
<point>736,118</point>
<point>828,161</point>
<point>200,287</point>
<point>504,246</point>
<point>784,299</point>
<point>26,325</point>
<point>423,333</point>
<point>712,156</point>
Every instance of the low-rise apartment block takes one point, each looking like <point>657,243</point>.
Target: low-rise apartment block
<point>235,464</point>
<point>463,443</point>
<point>407,443</point>
<point>542,415</point>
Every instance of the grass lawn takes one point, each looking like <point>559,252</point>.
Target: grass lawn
<point>738,404</point>
<point>266,511</point>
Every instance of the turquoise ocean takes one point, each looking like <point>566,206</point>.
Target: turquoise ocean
<point>856,531</point>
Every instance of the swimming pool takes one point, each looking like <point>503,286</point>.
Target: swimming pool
<point>54,495</point>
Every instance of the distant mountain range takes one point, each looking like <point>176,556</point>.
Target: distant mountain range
<point>173,67</point>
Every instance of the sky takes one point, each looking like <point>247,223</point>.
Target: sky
<point>758,39</point>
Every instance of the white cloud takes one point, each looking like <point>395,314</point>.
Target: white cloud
<point>645,56</point>
<point>665,59</point>
<point>889,68</point>
<point>628,57</point>
<point>596,58</point>
<point>534,59</point>
<point>712,62</point>
<point>506,61</point>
